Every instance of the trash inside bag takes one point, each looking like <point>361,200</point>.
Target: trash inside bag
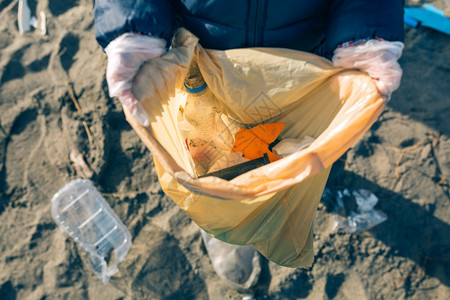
<point>349,219</point>
<point>289,146</point>
<point>271,207</point>
<point>81,211</point>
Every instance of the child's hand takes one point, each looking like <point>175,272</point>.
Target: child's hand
<point>126,54</point>
<point>377,58</point>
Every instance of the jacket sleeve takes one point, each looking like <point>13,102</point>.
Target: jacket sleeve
<point>115,17</point>
<point>351,20</point>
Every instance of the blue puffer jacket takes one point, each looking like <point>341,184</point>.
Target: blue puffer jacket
<point>314,26</point>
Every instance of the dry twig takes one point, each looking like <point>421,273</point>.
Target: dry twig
<point>78,107</point>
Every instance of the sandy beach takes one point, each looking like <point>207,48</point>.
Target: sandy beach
<point>404,159</point>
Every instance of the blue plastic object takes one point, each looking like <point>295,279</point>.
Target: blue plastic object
<point>410,21</point>
<point>427,16</point>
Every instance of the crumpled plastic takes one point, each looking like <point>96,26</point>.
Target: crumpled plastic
<point>271,207</point>
<point>376,57</point>
<point>126,54</point>
<point>362,218</point>
<point>288,146</point>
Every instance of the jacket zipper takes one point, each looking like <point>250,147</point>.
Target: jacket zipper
<point>255,34</point>
<point>255,22</point>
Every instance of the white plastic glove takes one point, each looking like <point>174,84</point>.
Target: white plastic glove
<point>126,54</point>
<point>377,58</point>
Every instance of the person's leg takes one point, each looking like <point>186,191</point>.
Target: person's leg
<point>239,266</point>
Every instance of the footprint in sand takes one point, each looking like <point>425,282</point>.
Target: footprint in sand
<point>14,68</point>
<point>334,282</point>
<point>7,291</point>
<point>6,38</point>
<point>68,48</point>
<point>23,62</point>
<point>59,7</point>
<point>39,64</point>
<point>340,286</point>
<point>24,135</point>
<point>158,268</point>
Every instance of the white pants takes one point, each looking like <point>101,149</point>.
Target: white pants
<point>240,266</point>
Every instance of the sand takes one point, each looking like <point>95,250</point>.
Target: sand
<point>404,159</point>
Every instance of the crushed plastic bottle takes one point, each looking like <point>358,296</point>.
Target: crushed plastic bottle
<point>364,217</point>
<point>81,211</point>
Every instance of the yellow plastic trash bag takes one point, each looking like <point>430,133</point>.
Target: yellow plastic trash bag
<point>271,207</point>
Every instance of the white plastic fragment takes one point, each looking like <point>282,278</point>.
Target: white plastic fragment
<point>26,21</point>
<point>288,146</point>
<point>34,22</point>
<point>24,17</point>
<point>43,24</point>
<point>364,218</point>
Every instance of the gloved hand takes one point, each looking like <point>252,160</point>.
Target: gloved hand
<point>376,57</point>
<point>126,54</point>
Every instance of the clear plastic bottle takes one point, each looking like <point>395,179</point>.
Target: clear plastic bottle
<point>81,211</point>
<point>208,136</point>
